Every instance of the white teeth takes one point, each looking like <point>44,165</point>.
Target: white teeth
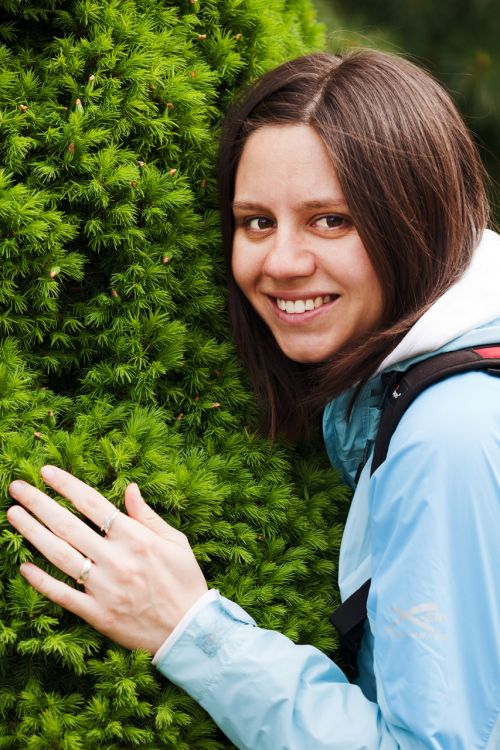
<point>302,305</point>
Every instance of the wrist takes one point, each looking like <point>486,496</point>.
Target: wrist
<point>204,600</point>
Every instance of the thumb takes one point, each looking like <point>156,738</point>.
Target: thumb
<point>140,511</point>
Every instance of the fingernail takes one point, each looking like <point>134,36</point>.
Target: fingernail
<point>16,487</point>
<point>12,513</point>
<point>48,472</point>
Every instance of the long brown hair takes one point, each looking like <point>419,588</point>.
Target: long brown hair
<point>414,184</point>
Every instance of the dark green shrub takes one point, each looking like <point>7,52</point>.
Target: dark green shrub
<point>115,362</point>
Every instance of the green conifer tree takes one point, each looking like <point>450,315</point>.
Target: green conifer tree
<point>115,362</point>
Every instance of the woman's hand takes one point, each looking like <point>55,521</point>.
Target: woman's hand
<point>142,576</point>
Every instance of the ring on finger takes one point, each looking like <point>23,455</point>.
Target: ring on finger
<point>106,524</point>
<point>84,573</point>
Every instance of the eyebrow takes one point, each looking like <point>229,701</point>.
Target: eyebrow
<point>317,204</point>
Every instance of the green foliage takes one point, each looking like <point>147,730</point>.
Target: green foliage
<point>115,362</point>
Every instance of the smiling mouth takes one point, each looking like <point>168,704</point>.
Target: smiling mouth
<point>300,306</point>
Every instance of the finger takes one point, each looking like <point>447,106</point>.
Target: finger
<point>140,511</point>
<point>88,501</point>
<point>75,601</point>
<point>60,520</point>
<point>60,553</point>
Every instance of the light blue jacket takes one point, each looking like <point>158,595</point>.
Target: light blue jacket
<point>426,529</point>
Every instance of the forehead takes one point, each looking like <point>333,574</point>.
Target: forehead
<point>285,160</point>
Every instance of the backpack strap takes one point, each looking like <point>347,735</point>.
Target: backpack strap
<point>402,388</point>
<point>406,386</point>
<point>349,620</point>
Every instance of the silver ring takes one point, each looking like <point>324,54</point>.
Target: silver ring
<point>106,524</point>
<point>84,573</point>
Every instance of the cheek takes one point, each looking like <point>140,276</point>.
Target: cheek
<point>367,288</point>
<point>244,265</point>
<point>236,267</point>
<point>374,301</point>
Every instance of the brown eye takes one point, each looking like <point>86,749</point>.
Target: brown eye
<point>258,223</point>
<point>331,221</point>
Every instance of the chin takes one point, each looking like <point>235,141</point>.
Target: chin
<point>307,350</point>
<point>306,357</point>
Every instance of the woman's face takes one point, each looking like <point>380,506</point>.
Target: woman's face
<point>297,256</point>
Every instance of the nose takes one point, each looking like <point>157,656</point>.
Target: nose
<point>288,256</point>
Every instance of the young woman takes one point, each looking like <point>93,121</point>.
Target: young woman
<point>354,221</point>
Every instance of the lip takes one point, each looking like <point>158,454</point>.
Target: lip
<point>295,319</point>
<point>294,296</point>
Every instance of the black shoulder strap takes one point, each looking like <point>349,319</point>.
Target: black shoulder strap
<point>408,385</point>
<point>403,388</point>
<point>349,621</point>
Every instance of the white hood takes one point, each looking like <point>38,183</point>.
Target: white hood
<point>471,302</point>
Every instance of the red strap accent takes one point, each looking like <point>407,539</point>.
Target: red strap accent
<point>492,352</point>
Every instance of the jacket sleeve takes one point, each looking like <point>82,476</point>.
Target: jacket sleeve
<point>433,611</point>
<point>265,692</point>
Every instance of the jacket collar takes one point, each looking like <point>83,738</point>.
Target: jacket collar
<point>471,302</point>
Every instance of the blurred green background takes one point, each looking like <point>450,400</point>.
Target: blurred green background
<point>456,40</point>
